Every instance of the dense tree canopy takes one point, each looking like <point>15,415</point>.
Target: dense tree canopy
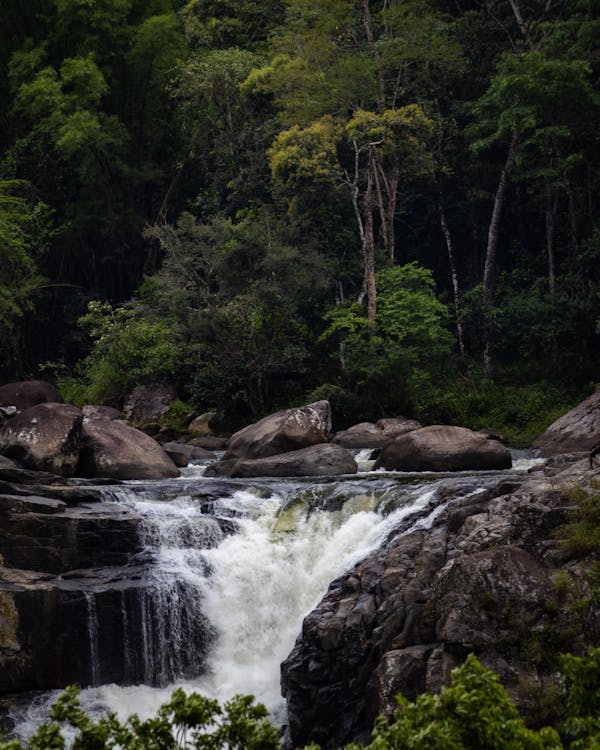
<point>238,181</point>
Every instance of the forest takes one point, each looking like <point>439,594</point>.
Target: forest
<point>386,203</point>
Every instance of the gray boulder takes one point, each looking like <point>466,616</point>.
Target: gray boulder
<point>315,461</point>
<point>369,435</point>
<point>577,430</point>
<point>210,442</point>
<point>443,448</point>
<point>284,431</point>
<point>44,438</point>
<point>147,403</point>
<point>28,393</point>
<point>117,450</point>
<point>191,452</point>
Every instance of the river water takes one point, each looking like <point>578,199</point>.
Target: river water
<point>232,576</point>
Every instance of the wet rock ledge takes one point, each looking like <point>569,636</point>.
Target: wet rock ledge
<point>486,578</point>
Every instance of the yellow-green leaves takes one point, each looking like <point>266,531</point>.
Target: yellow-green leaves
<point>300,157</point>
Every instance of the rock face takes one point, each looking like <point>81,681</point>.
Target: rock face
<point>284,431</point>
<point>44,437</point>
<point>148,402</point>
<point>577,430</point>
<point>481,580</point>
<point>315,461</point>
<point>443,448</point>
<point>28,393</point>
<point>375,435</point>
<point>114,449</point>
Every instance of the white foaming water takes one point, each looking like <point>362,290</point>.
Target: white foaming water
<point>254,587</point>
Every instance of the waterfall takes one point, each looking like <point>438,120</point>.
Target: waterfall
<point>229,581</point>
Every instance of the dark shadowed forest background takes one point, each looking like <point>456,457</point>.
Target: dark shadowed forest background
<point>390,204</point>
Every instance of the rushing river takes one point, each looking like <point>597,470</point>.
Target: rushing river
<point>231,577</point>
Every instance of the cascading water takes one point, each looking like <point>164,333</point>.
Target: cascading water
<point>231,578</point>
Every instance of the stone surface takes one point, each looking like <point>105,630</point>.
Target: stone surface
<point>28,393</point>
<point>317,460</point>
<point>375,435</point>
<point>191,452</point>
<point>203,425</point>
<point>210,443</point>
<point>147,403</point>
<point>443,448</point>
<point>91,412</point>
<point>577,430</point>
<point>117,450</point>
<point>284,431</point>
<point>480,580</point>
<point>45,437</point>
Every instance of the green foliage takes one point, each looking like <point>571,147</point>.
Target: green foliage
<point>582,535</point>
<point>582,676</point>
<point>127,351</point>
<point>409,335</point>
<point>472,713</point>
<point>186,722</point>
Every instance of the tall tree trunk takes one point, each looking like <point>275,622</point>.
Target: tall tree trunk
<point>453,274</point>
<point>370,245</point>
<point>492,249</point>
<point>367,23</point>
<point>551,204</point>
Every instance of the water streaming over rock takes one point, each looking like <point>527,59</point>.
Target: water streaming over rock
<point>231,569</point>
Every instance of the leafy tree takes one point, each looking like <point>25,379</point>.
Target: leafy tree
<point>127,350</point>
<point>24,227</point>
<point>408,336</point>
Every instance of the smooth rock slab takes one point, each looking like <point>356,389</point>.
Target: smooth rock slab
<point>317,460</point>
<point>114,449</point>
<point>577,430</point>
<point>443,448</point>
<point>375,435</point>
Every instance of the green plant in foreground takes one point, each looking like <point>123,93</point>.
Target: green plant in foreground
<point>473,713</point>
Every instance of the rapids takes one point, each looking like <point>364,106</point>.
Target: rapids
<point>234,566</point>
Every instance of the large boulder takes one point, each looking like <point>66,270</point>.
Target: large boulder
<point>28,393</point>
<point>577,430</point>
<point>147,403</point>
<point>284,431</point>
<point>370,435</point>
<point>316,461</point>
<point>443,448</point>
<point>117,450</point>
<point>44,438</point>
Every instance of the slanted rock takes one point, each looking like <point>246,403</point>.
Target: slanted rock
<point>28,393</point>
<point>375,435</point>
<point>577,430</point>
<point>326,459</point>
<point>44,438</point>
<point>117,450</point>
<point>147,403</point>
<point>284,431</point>
<point>443,448</point>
